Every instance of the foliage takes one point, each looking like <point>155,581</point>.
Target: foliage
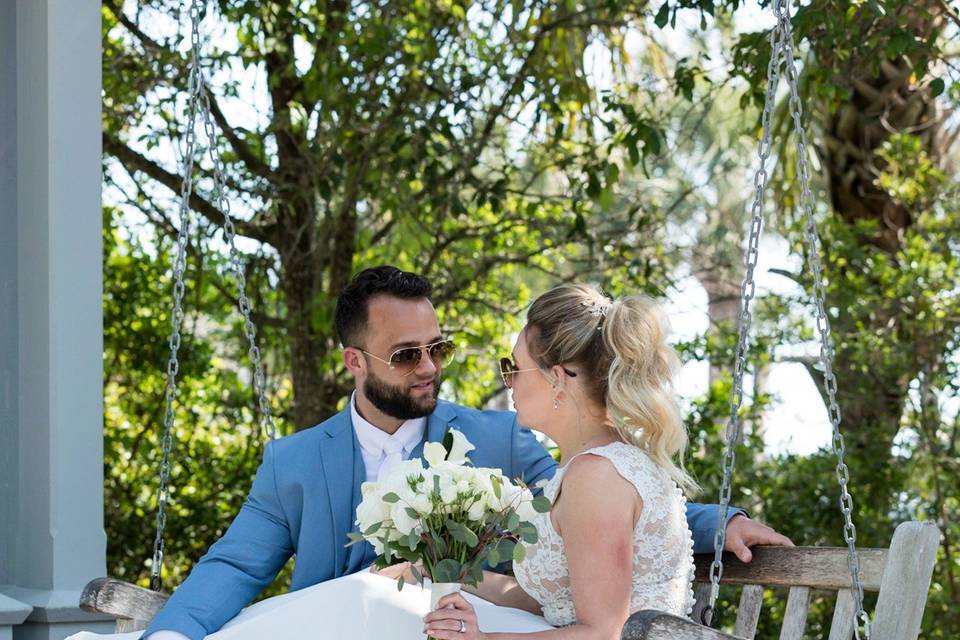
<point>468,142</point>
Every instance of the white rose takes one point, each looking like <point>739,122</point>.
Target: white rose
<point>402,520</point>
<point>479,508</point>
<point>525,509</point>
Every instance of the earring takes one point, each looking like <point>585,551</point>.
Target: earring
<point>556,404</point>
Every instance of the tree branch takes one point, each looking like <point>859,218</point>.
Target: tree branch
<point>255,164</point>
<point>134,161</point>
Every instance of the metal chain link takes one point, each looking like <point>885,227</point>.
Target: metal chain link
<point>199,99</point>
<point>747,291</point>
<point>781,45</point>
<point>823,322</point>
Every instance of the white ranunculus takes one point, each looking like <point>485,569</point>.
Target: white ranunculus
<point>460,448</point>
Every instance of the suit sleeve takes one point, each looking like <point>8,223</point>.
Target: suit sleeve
<point>237,567</point>
<point>702,520</point>
<point>529,460</point>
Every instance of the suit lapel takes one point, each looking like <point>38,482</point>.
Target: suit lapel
<point>339,453</point>
<point>437,425</point>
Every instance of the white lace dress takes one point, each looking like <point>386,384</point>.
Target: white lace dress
<point>663,567</point>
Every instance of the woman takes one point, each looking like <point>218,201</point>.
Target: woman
<point>595,376</point>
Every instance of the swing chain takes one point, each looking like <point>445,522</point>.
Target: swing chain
<point>823,325</point>
<point>747,292</point>
<point>199,99</point>
<point>781,53</point>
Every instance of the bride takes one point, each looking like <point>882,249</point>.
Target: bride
<point>594,375</point>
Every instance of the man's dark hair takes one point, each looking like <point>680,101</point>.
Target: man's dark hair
<point>350,317</point>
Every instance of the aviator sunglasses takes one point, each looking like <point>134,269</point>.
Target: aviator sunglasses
<point>508,369</point>
<point>407,359</point>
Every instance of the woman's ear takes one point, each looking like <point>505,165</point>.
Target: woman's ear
<point>561,377</point>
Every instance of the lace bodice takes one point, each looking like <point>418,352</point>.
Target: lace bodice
<point>663,567</point>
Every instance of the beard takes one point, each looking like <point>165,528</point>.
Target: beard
<point>397,401</point>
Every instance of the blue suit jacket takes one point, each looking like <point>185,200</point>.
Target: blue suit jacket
<point>303,502</point>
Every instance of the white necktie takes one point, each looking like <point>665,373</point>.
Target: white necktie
<point>394,456</point>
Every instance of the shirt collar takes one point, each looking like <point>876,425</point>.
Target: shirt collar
<point>373,440</point>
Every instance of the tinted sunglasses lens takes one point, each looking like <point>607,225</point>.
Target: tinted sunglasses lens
<point>442,352</point>
<point>406,359</point>
<point>506,371</point>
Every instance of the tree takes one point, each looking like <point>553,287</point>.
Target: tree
<point>450,138</point>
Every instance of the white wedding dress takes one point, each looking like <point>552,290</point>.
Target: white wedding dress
<point>365,605</point>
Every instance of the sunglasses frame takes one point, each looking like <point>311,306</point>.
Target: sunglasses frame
<point>419,349</point>
<point>514,370</point>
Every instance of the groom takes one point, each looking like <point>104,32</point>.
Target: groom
<point>305,494</point>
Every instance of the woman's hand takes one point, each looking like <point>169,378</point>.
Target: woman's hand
<point>454,619</point>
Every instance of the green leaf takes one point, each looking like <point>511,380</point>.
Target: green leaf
<point>462,533</point>
<point>447,570</point>
<point>528,533</point>
<point>391,498</point>
<point>448,441</point>
<point>416,573</point>
<point>519,553</point>
<point>400,584</point>
<point>372,529</point>
<point>495,481</point>
<point>663,16</point>
<point>541,504</point>
<point>937,87</point>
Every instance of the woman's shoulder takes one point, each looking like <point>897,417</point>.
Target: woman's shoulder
<point>628,461</point>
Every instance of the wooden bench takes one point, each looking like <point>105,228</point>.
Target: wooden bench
<point>901,575</point>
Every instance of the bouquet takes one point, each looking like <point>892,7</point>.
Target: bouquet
<point>448,519</point>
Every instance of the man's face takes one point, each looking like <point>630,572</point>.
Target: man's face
<point>395,323</point>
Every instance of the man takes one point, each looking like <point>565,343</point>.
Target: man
<point>305,494</point>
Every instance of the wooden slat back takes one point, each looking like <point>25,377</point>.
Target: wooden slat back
<point>842,626</point>
<point>795,618</point>
<point>903,592</point>
<point>814,567</point>
<point>700,601</point>
<point>748,613</point>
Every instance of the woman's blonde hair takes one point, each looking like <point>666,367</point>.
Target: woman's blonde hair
<point>620,349</point>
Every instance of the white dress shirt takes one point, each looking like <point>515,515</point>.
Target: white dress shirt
<point>380,451</point>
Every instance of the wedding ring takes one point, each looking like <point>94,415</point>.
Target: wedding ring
<point>463,627</point>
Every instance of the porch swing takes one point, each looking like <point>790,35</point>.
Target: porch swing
<point>901,574</point>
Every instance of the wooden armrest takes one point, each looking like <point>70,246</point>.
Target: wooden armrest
<point>657,625</point>
<point>121,599</point>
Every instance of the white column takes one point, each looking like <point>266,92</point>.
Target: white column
<point>58,543</point>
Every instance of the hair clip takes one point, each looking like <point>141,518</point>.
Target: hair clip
<point>598,309</point>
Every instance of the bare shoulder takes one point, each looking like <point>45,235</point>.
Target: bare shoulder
<point>595,478</point>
